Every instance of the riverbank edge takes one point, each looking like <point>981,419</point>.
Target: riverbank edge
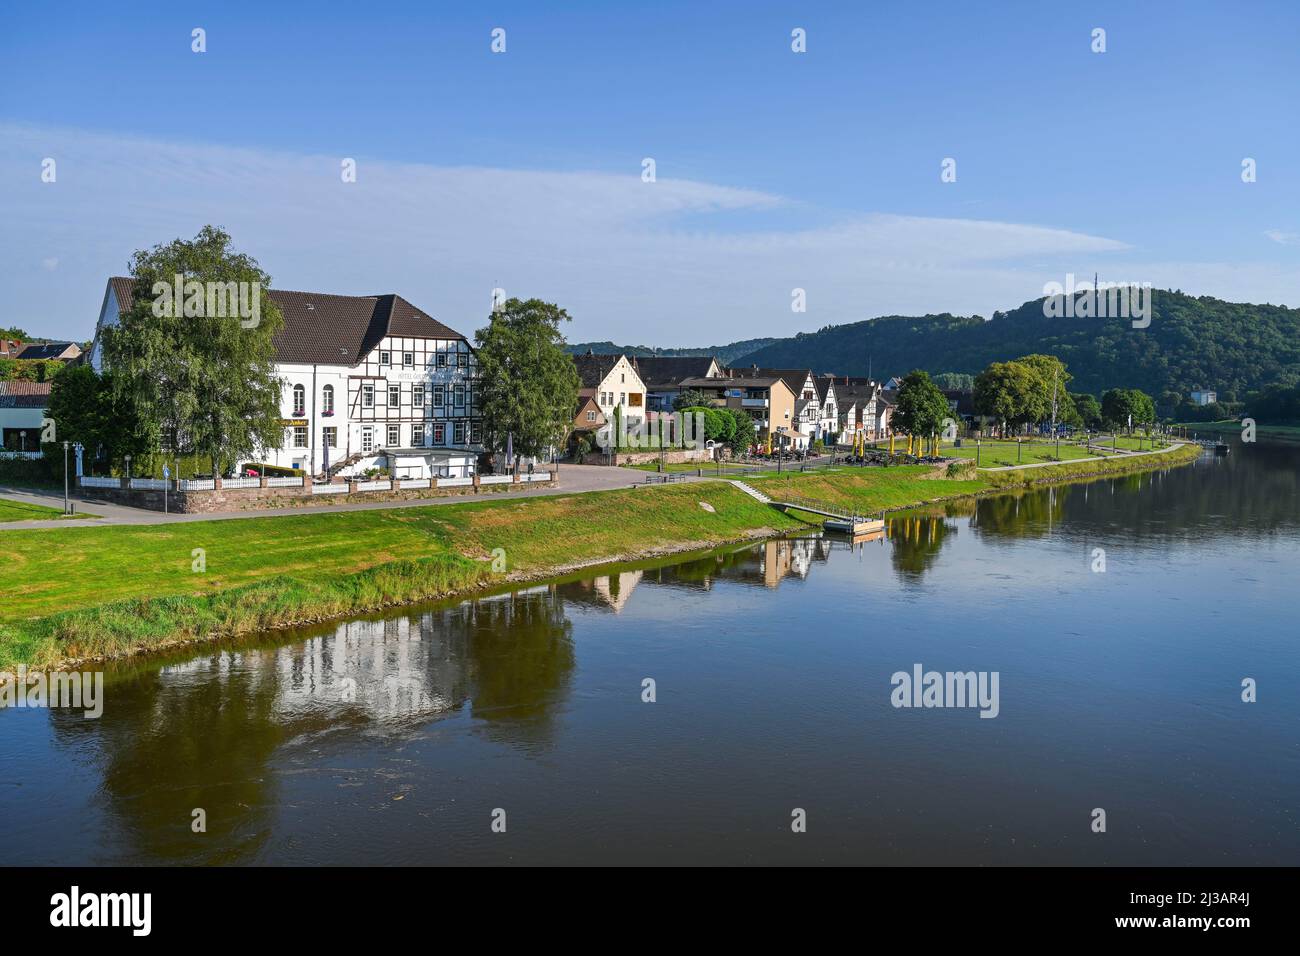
<point>141,626</point>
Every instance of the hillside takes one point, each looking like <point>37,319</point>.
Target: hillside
<point>1191,343</point>
<point>725,353</point>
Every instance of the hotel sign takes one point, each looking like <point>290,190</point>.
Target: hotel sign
<point>294,422</point>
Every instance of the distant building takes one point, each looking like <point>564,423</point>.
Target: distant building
<point>9,348</point>
<point>22,409</point>
<point>1204,397</point>
<point>614,384</point>
<point>663,376</point>
<point>766,398</point>
<point>588,419</point>
<point>45,351</point>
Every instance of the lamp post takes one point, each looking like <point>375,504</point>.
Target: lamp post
<point>128,471</point>
<point>65,478</point>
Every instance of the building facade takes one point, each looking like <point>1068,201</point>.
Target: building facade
<point>368,383</point>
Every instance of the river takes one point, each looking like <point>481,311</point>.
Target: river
<point>418,736</point>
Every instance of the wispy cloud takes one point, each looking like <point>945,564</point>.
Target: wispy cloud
<point>669,262</point>
<point>1283,238</point>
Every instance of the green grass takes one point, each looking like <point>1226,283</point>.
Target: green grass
<point>24,511</point>
<point>106,591</point>
<point>109,591</point>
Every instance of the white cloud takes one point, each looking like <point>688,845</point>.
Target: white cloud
<point>672,262</point>
<point>1283,238</point>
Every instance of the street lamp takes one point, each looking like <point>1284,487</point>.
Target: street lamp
<point>128,471</point>
<point>65,478</point>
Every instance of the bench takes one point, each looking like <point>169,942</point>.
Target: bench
<point>656,479</point>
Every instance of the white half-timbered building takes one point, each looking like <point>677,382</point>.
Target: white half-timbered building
<point>368,382</point>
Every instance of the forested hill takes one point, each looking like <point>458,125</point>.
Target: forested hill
<point>1190,343</point>
<point>725,354</point>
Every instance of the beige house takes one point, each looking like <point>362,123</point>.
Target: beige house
<point>614,384</point>
<point>767,398</point>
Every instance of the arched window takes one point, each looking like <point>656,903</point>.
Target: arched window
<point>327,400</point>
<point>299,400</point>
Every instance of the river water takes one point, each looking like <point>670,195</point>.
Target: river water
<point>402,739</point>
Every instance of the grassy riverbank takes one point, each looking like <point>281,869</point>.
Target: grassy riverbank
<point>99,592</point>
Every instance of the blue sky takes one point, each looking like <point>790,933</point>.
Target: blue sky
<point>775,170</point>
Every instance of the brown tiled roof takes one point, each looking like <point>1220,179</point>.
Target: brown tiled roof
<point>22,394</point>
<point>333,329</point>
<point>592,368</point>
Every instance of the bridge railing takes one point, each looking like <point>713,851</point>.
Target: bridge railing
<point>814,505</point>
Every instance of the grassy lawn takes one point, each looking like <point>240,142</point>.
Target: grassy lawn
<point>23,511</point>
<point>872,489</point>
<point>281,568</point>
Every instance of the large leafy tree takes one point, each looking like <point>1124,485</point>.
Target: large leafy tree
<point>204,383</point>
<point>1119,406</point>
<point>1009,392</point>
<point>528,384</point>
<point>1087,409</point>
<point>921,408</point>
<point>1052,380</point>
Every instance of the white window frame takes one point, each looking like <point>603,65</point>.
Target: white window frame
<point>367,439</point>
<point>385,358</point>
<point>417,435</point>
<point>417,396</point>
<point>394,436</point>
<point>330,436</point>
<point>299,401</point>
<point>408,360</point>
<point>327,400</point>
<point>394,390</point>
<point>368,395</point>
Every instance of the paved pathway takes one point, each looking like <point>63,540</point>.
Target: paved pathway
<point>574,479</point>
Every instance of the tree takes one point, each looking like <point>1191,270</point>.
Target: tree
<point>690,398</point>
<point>1052,379</point>
<point>1087,409</point>
<point>955,380</point>
<point>199,379</point>
<point>719,426</point>
<point>528,385</point>
<point>745,433</point>
<point>1009,392</point>
<point>1124,407</point>
<point>85,409</point>
<point>920,408</point>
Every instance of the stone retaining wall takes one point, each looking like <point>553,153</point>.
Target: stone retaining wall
<point>257,499</point>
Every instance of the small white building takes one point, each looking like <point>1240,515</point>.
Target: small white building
<point>1204,397</point>
<point>369,382</point>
